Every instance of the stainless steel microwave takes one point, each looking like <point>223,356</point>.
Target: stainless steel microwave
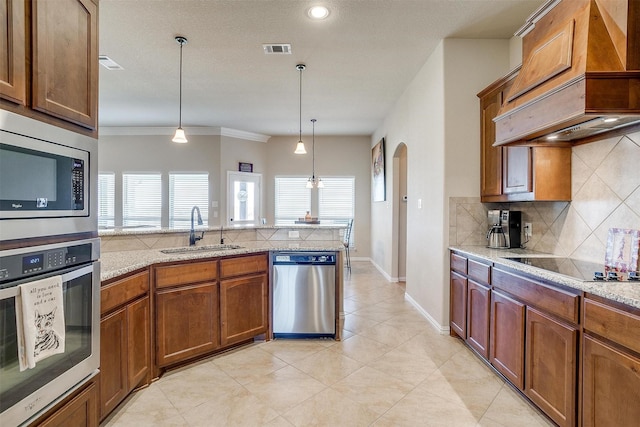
<point>48,179</point>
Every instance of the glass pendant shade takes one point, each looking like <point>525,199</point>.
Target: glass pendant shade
<point>319,183</point>
<point>310,183</point>
<point>180,137</point>
<point>300,148</point>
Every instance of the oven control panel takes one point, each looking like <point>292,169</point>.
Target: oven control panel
<point>21,265</point>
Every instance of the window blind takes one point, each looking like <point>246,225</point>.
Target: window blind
<point>187,190</point>
<point>142,199</point>
<point>336,201</point>
<point>292,199</point>
<point>106,199</point>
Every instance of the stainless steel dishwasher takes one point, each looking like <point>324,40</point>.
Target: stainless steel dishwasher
<point>304,294</point>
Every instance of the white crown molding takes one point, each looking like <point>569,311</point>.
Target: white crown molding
<point>240,134</point>
<point>196,130</point>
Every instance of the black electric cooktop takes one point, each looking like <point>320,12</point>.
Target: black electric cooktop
<point>574,268</point>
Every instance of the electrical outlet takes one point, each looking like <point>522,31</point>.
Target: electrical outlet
<point>294,234</point>
<point>528,231</point>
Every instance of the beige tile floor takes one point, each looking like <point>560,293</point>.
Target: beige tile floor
<point>391,369</point>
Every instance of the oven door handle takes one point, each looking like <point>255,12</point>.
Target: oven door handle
<point>66,277</point>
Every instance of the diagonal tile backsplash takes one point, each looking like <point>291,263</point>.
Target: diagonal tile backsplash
<point>605,188</point>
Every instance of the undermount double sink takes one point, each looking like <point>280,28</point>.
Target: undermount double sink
<point>207,248</point>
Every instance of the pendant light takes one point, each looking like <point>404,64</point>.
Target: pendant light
<point>313,181</point>
<point>180,137</point>
<point>300,147</point>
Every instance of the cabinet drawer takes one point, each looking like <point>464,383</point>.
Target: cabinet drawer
<point>550,300</point>
<point>458,263</point>
<point>182,274</point>
<point>478,271</point>
<point>121,291</point>
<point>612,323</point>
<point>237,266</point>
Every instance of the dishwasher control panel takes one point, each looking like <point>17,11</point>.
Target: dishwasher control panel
<point>304,258</point>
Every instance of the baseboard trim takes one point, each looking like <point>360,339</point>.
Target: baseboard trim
<point>444,330</point>
<point>384,273</point>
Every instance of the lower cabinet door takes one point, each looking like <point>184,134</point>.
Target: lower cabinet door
<point>551,366</point>
<point>113,361</point>
<point>479,304</point>
<point>506,352</point>
<point>458,305</point>
<point>81,411</point>
<point>611,386</point>
<point>187,322</point>
<point>139,342</point>
<point>244,308</point>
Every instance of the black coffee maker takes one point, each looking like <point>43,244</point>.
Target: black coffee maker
<point>504,229</point>
<point>511,222</point>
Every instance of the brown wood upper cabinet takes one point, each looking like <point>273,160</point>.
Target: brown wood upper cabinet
<point>49,70</point>
<point>13,85</point>
<point>518,173</point>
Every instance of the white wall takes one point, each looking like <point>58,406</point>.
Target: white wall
<point>232,152</point>
<point>156,153</point>
<point>335,155</point>
<point>438,118</point>
<point>515,52</point>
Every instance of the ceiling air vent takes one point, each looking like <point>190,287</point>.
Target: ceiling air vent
<point>277,49</point>
<point>109,63</point>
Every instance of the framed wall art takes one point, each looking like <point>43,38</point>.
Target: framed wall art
<point>378,184</point>
<point>622,250</point>
<point>245,167</point>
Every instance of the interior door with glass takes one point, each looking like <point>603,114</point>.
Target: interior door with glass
<point>243,198</point>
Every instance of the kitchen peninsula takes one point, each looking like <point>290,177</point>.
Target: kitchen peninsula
<point>165,304</point>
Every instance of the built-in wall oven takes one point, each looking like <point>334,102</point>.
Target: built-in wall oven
<point>24,395</point>
<point>47,176</point>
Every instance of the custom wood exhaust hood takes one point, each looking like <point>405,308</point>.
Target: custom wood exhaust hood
<point>580,74</point>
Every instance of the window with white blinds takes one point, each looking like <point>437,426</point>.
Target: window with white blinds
<point>337,201</point>
<point>106,199</point>
<point>187,190</point>
<point>142,199</point>
<point>292,199</point>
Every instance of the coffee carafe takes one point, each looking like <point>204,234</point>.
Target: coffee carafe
<point>496,238</point>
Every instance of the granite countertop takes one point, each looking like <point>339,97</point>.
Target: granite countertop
<point>117,263</point>
<point>624,292</point>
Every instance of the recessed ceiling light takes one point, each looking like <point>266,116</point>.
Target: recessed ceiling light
<point>318,12</point>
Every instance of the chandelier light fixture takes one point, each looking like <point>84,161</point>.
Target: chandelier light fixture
<point>180,137</point>
<point>300,146</point>
<point>313,181</point>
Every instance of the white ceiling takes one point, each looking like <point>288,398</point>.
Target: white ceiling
<point>359,59</point>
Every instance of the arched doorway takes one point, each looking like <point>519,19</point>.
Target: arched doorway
<point>400,212</point>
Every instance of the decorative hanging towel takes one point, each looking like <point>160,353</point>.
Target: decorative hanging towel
<point>40,321</point>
